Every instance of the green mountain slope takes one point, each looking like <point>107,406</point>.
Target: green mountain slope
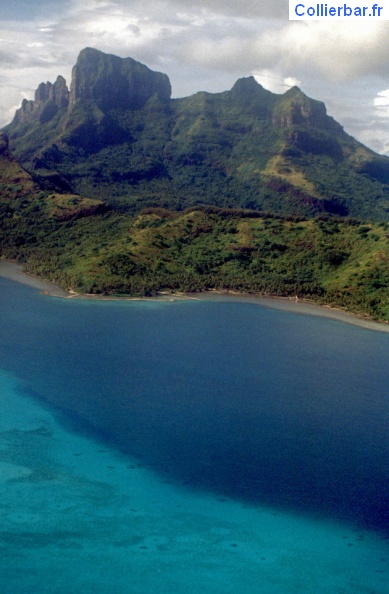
<point>116,135</point>
<point>112,187</point>
<point>81,245</point>
<point>28,211</point>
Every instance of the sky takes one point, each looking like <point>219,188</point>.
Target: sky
<point>205,45</point>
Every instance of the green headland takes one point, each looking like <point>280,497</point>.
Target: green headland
<point>112,187</point>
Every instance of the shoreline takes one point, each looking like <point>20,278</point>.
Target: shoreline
<point>14,271</point>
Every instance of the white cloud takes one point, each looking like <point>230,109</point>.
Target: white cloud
<point>275,81</point>
<point>381,103</point>
<point>207,45</point>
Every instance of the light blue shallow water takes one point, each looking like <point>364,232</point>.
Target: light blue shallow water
<point>189,447</point>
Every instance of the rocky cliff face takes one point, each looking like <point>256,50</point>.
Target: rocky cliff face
<point>103,82</point>
<point>49,98</point>
<point>111,82</point>
<point>294,108</point>
<point>117,132</point>
<point>106,81</point>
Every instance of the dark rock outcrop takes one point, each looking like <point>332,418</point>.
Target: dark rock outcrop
<point>49,98</point>
<point>117,132</point>
<point>102,80</point>
<point>111,82</point>
<point>294,107</point>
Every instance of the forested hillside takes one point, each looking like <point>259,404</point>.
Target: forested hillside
<point>82,245</point>
<point>112,187</point>
<point>116,135</point>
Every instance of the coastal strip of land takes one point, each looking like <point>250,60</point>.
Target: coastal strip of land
<point>14,271</point>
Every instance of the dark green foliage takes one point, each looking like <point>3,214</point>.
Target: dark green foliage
<point>120,138</point>
<point>241,191</point>
<point>329,260</point>
<point>123,265</point>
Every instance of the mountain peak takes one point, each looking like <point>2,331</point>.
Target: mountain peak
<point>48,100</point>
<point>117,129</point>
<point>295,90</point>
<point>246,84</point>
<point>105,80</point>
<point>111,82</point>
<point>249,87</point>
<point>294,107</point>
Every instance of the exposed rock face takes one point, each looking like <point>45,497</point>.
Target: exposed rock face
<point>103,80</point>
<point>49,98</point>
<point>295,107</point>
<point>58,93</point>
<point>111,82</point>
<point>117,128</point>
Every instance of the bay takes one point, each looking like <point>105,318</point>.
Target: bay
<point>212,446</point>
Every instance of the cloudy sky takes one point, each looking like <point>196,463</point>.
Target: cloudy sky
<point>205,45</point>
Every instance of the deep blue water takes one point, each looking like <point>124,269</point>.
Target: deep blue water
<point>228,399</point>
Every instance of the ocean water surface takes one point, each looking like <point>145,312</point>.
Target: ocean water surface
<point>190,446</point>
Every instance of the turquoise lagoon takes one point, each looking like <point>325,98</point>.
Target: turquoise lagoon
<point>189,446</point>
